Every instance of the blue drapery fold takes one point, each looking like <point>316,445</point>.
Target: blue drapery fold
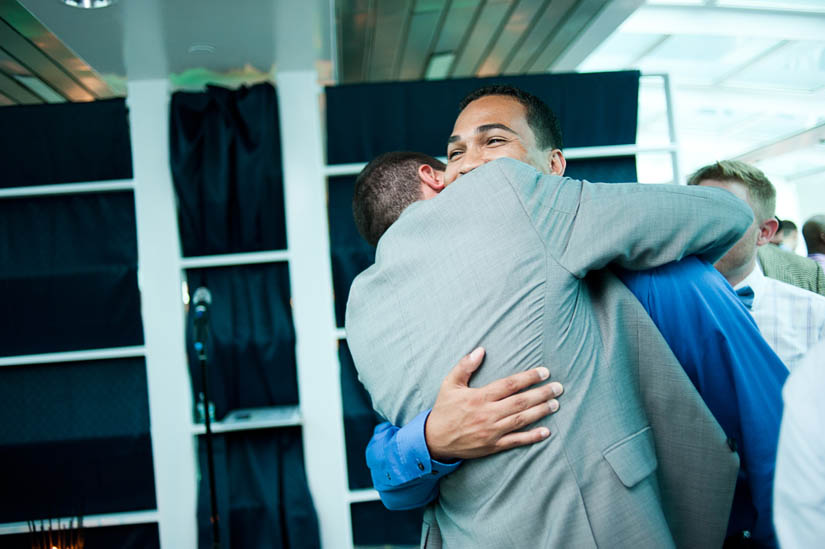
<point>65,143</point>
<point>226,166</point>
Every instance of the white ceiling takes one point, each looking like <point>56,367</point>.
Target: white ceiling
<point>143,39</point>
<point>745,73</point>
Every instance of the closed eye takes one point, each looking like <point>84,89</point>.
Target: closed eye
<point>455,153</point>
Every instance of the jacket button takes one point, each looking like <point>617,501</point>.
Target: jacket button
<point>389,477</point>
<point>420,466</point>
<point>732,444</point>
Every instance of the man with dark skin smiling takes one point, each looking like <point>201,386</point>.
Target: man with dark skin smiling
<point>493,126</point>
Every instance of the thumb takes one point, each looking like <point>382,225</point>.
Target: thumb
<point>463,371</point>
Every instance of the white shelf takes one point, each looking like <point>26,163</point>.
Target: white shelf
<point>254,418</point>
<point>362,496</point>
<point>228,260</point>
<point>74,356</point>
<point>92,521</point>
<point>69,188</point>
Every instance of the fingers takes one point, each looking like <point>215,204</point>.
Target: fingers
<point>461,372</point>
<point>528,416</point>
<point>511,385</point>
<point>514,440</point>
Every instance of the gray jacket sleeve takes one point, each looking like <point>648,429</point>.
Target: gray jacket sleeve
<point>586,226</point>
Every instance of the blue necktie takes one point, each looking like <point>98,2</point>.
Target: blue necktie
<point>745,294</point>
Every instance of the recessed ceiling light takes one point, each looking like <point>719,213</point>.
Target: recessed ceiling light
<point>89,4</point>
<point>201,48</point>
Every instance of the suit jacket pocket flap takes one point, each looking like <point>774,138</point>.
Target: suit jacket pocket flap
<point>633,458</point>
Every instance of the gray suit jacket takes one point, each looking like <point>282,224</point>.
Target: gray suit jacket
<point>794,269</point>
<point>499,258</point>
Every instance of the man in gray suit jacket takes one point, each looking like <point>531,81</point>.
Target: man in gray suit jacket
<point>500,257</point>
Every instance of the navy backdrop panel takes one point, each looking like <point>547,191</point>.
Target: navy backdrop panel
<point>252,339</point>
<point>350,253</point>
<point>74,439</point>
<point>359,420</point>
<point>374,525</point>
<point>226,166</point>
<point>364,120</point>
<point>68,273</point>
<point>65,143</point>
<point>263,498</point>
<point>132,536</point>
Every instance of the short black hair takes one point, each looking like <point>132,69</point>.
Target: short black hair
<point>787,226</point>
<point>384,189</point>
<point>541,118</point>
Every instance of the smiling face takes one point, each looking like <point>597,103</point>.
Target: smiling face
<point>494,126</point>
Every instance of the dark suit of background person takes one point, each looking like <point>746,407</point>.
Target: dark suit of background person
<point>509,276</point>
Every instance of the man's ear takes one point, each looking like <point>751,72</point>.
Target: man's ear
<point>432,180</point>
<point>767,229</point>
<point>556,161</point>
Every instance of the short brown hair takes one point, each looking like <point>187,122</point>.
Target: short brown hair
<point>384,189</point>
<point>761,193</point>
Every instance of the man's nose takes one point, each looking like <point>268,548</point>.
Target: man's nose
<point>470,161</point>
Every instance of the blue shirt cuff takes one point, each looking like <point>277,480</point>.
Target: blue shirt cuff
<point>412,447</point>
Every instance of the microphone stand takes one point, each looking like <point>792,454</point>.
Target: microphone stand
<point>200,347</point>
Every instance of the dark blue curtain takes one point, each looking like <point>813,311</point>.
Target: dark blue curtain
<point>74,440</point>
<point>252,339</point>
<point>364,120</point>
<point>263,498</point>
<point>74,437</point>
<point>226,167</point>
<point>65,143</point>
<point>68,273</point>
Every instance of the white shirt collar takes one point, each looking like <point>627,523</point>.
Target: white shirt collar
<point>756,280</point>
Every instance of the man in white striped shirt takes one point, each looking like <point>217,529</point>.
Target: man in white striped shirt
<point>791,319</point>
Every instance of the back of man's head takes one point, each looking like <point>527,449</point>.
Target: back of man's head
<point>813,231</point>
<point>541,118</point>
<point>384,189</point>
<point>761,193</point>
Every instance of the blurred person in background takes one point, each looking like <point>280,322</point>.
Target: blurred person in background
<point>787,235</point>
<point>791,319</point>
<point>799,489</point>
<point>813,231</point>
<point>781,264</point>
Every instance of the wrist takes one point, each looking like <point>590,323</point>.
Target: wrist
<point>438,451</point>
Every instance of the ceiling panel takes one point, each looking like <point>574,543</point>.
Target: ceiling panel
<point>521,21</point>
<point>5,101</point>
<point>575,22</point>
<point>799,66</point>
<point>703,59</point>
<point>459,19</point>
<point>816,6</point>
<point>537,37</point>
<point>356,24</point>
<point>17,92</point>
<point>37,62</point>
<point>622,49</point>
<point>425,27</point>
<point>482,37</point>
<point>392,20</point>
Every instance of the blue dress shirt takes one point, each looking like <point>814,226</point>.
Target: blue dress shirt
<point>719,345</point>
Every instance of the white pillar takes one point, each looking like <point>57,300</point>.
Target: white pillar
<point>310,276</point>
<point>170,395</point>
